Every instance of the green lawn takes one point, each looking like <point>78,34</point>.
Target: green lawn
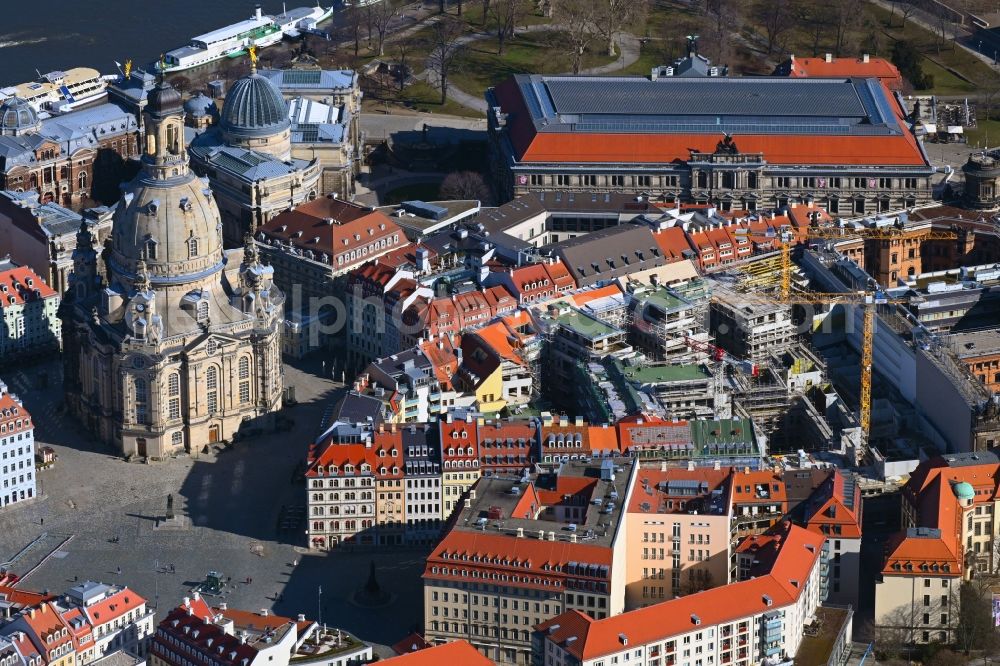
<point>421,96</point>
<point>538,52</point>
<point>945,83</point>
<point>950,54</point>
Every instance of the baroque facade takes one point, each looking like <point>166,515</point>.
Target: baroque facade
<point>180,342</point>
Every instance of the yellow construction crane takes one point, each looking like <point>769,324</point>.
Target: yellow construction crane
<point>868,299</point>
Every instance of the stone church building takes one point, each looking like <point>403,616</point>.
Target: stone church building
<point>179,343</point>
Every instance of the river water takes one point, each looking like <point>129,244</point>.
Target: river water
<point>47,35</point>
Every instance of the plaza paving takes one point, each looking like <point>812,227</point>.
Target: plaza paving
<point>231,503</point>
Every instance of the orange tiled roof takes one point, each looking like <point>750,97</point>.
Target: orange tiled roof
<point>114,606</point>
<point>595,638</point>
<point>673,243</point>
<point>528,560</point>
<point>456,653</point>
<point>777,149</point>
<point>14,289</point>
<point>714,478</point>
<point>833,510</point>
<point>844,67</point>
<point>308,227</point>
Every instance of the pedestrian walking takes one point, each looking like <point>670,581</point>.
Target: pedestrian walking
<point>119,571</point>
<point>41,521</point>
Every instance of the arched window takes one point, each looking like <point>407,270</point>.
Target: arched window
<point>141,401</point>
<point>212,388</point>
<point>149,249</point>
<point>177,439</point>
<point>82,179</point>
<point>244,379</point>
<point>174,395</point>
<point>192,247</point>
<point>203,311</point>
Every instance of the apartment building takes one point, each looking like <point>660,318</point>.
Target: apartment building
<point>835,511</point>
<point>196,632</point>
<point>17,450</point>
<point>460,460</point>
<point>30,325</point>
<point>950,519</point>
<point>741,624</point>
<point>86,623</point>
<point>423,483</point>
<point>683,516</point>
<point>521,551</point>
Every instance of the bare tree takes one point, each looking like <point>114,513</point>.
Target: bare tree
<point>445,47</point>
<point>974,629</point>
<point>352,26</point>
<point>845,17</point>
<point>486,10</point>
<point>613,15</point>
<point>382,14</point>
<point>906,9</point>
<point>578,29</point>
<point>464,185</point>
<point>722,15</point>
<point>507,14</point>
<point>404,48</point>
<point>777,18</point>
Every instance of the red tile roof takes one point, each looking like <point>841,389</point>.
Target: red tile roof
<point>879,68</point>
<point>832,512</point>
<point>799,553</point>
<point>114,606</point>
<point>332,227</point>
<point>411,643</point>
<point>673,243</point>
<point>457,653</point>
<point>529,560</point>
<point>19,285</point>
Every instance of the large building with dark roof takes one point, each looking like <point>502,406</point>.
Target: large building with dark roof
<point>736,143</point>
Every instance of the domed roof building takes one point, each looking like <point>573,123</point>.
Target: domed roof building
<point>200,112</point>
<point>255,116</point>
<point>18,117</point>
<point>248,157</point>
<point>179,343</point>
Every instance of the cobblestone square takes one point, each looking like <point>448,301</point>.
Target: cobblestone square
<point>97,513</point>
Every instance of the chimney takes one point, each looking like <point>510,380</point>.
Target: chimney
<point>578,421</point>
<point>865,58</point>
<point>552,536</point>
<point>829,57</point>
<point>690,465</point>
<point>302,617</point>
<point>520,532</point>
<point>572,537</point>
<point>663,466</point>
<point>717,466</point>
<point>263,612</point>
<point>223,606</point>
<point>472,494</point>
<point>196,595</point>
<point>187,601</point>
<point>468,503</point>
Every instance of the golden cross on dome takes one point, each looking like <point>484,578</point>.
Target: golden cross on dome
<point>253,56</point>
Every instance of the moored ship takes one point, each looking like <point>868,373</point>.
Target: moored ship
<point>259,31</point>
<point>59,92</point>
